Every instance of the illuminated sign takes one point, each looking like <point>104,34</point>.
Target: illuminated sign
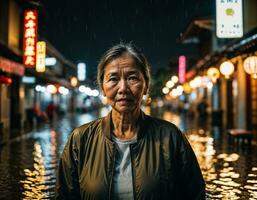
<point>41,55</point>
<point>30,37</point>
<point>81,71</point>
<point>28,79</point>
<point>50,61</point>
<point>182,69</point>
<point>229,18</point>
<point>12,67</point>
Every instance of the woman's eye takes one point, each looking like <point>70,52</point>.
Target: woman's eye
<point>113,79</point>
<point>133,78</point>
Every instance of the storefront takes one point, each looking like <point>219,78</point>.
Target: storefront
<point>11,94</point>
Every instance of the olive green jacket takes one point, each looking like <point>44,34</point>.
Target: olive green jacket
<point>164,165</point>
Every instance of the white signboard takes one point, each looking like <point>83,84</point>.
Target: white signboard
<point>82,71</point>
<point>229,18</point>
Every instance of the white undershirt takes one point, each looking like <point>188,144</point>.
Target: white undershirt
<point>122,178</point>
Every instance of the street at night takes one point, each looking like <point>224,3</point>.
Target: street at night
<point>75,77</point>
<point>28,164</point>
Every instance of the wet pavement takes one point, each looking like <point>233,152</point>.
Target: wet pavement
<point>28,164</point>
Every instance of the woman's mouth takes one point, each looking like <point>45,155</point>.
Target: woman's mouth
<point>124,101</point>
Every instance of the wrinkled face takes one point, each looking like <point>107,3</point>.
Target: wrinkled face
<point>124,84</point>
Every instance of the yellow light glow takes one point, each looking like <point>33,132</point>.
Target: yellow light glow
<point>165,90</point>
<point>180,90</point>
<point>174,79</point>
<point>170,84</point>
<point>197,81</point>
<point>186,87</point>
<point>41,56</point>
<point>227,68</point>
<point>174,93</point>
<point>74,81</point>
<point>250,66</point>
<point>213,73</point>
<point>51,89</point>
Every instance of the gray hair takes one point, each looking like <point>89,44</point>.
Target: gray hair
<point>118,51</point>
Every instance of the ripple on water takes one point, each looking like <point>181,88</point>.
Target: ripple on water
<point>222,172</point>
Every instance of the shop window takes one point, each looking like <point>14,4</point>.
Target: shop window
<point>14,25</point>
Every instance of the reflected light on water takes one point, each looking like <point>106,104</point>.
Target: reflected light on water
<point>252,183</point>
<point>222,179</point>
<point>34,184</point>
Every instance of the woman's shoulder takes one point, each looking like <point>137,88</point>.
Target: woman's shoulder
<point>86,129</point>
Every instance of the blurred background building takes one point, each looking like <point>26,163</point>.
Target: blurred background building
<point>224,74</point>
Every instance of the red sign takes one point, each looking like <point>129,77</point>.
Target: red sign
<point>11,67</point>
<point>30,37</point>
<point>182,69</point>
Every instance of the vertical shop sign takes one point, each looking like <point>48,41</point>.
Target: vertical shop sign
<point>229,18</point>
<point>41,56</point>
<point>182,69</point>
<point>30,37</point>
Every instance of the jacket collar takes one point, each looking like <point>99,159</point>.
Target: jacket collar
<point>107,120</point>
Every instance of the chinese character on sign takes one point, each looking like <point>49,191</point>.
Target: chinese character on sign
<point>30,37</point>
<point>41,56</point>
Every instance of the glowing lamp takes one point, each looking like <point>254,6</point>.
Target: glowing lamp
<point>197,81</point>
<point>250,66</point>
<point>187,89</point>
<point>170,84</point>
<point>227,68</point>
<point>174,93</point>
<point>165,90</point>
<point>213,73</point>
<point>51,89</point>
<point>174,79</point>
<point>74,81</point>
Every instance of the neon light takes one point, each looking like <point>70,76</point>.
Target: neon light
<point>41,55</point>
<point>182,69</point>
<point>30,37</point>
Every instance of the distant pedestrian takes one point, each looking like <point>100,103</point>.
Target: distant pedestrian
<point>128,154</point>
<point>50,109</point>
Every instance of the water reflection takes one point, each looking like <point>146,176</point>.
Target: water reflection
<point>34,185</point>
<point>222,178</point>
<point>28,167</point>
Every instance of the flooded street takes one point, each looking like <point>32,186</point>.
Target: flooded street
<point>28,165</point>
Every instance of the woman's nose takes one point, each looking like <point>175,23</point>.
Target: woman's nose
<point>123,86</point>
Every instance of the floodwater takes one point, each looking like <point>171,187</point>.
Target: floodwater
<point>28,165</point>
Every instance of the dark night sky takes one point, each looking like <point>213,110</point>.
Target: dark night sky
<point>82,30</point>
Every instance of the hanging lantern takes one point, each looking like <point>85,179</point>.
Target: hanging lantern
<point>227,68</point>
<point>250,66</point>
<point>5,80</point>
<point>213,73</point>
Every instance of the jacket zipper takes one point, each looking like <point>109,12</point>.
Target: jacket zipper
<point>113,165</point>
<point>132,171</point>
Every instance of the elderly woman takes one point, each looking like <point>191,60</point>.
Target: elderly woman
<point>127,154</point>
